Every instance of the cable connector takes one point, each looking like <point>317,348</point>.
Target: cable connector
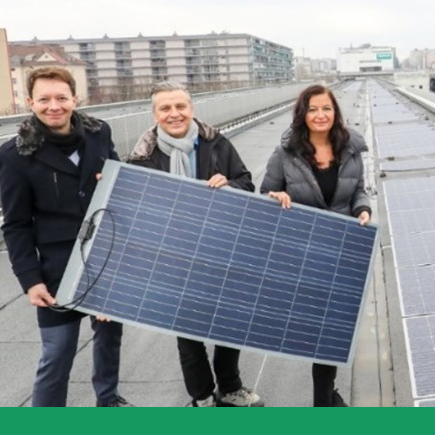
<point>86,231</point>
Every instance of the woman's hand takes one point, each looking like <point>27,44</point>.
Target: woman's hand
<point>283,198</point>
<point>364,218</point>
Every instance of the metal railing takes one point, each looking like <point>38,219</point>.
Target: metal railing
<point>218,109</point>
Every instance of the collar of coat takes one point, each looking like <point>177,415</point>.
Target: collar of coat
<point>148,141</point>
<point>356,142</point>
<point>30,140</point>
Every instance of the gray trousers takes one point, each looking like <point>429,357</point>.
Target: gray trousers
<point>59,346</point>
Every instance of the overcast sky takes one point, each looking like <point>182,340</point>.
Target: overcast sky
<point>314,28</point>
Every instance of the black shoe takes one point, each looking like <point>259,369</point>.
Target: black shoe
<point>119,402</point>
<point>337,400</point>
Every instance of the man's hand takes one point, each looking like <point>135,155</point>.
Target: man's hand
<point>103,319</point>
<point>39,296</point>
<point>217,181</point>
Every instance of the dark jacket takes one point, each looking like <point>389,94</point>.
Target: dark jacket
<point>287,171</point>
<point>45,198</point>
<point>215,155</point>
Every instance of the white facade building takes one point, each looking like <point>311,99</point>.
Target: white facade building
<point>129,66</point>
<point>366,60</point>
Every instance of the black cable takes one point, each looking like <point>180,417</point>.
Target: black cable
<point>88,233</point>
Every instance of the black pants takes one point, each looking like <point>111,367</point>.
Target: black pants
<point>323,383</point>
<point>197,372</point>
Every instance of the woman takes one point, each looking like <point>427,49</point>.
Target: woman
<point>319,164</point>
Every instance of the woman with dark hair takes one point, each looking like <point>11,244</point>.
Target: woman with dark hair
<point>319,164</point>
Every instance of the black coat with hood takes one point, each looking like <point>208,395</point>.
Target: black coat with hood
<point>215,155</point>
<point>45,198</point>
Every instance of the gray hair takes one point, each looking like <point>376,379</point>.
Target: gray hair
<point>167,86</point>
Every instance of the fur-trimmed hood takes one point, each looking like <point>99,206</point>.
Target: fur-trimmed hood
<point>148,141</point>
<point>30,139</point>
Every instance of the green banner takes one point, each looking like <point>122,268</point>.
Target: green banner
<point>384,56</point>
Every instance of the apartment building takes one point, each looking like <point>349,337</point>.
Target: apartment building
<point>7,105</point>
<point>125,68</point>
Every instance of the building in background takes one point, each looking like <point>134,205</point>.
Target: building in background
<point>120,69</point>
<point>24,58</point>
<point>421,60</point>
<point>323,66</point>
<point>302,68</point>
<point>366,60</point>
<point>7,104</point>
<point>310,69</point>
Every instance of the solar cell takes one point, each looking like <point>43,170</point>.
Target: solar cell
<point>405,140</point>
<point>223,265</point>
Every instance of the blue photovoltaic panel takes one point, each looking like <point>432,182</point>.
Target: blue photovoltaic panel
<point>225,265</point>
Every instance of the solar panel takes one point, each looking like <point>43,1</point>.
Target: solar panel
<point>386,108</point>
<point>405,140</point>
<point>430,403</point>
<point>408,165</point>
<point>411,206</point>
<point>224,266</point>
<point>420,341</point>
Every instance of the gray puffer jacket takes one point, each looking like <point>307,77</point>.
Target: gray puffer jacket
<point>288,171</point>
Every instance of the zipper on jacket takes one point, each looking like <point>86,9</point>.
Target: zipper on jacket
<point>56,187</point>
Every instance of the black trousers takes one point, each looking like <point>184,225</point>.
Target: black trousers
<point>323,383</point>
<point>198,375</point>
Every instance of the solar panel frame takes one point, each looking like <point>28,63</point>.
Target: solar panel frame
<point>73,276</point>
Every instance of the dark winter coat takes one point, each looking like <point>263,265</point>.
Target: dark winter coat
<point>215,155</point>
<point>288,171</point>
<point>45,198</point>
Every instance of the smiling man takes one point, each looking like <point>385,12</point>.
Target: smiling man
<point>48,174</point>
<point>183,145</point>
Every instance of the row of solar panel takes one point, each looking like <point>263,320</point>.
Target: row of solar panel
<point>411,207</point>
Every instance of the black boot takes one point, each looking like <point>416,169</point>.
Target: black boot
<point>324,383</point>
